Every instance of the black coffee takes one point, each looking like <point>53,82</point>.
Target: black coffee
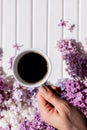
<point>32,67</point>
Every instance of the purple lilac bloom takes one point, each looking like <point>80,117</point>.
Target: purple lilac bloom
<point>68,46</point>
<point>71,28</point>
<point>62,84</point>
<point>73,87</point>
<point>76,94</point>
<point>40,123</point>
<point>25,125</point>
<point>36,124</point>
<point>2,86</point>
<point>2,83</point>
<point>75,58</point>
<point>62,23</point>
<point>17,47</point>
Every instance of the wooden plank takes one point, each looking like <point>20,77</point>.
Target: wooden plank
<point>24,23</point>
<point>54,34</point>
<point>71,15</point>
<point>40,24</point>
<point>8,33</point>
<point>83,22</point>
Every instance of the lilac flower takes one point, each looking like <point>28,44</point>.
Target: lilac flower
<point>40,123</point>
<point>75,58</point>
<point>26,125</point>
<point>11,61</point>
<point>71,28</point>
<point>67,46</point>
<point>62,84</point>
<point>36,124</point>
<point>2,83</point>
<point>76,94</point>
<point>62,23</point>
<point>72,87</point>
<point>17,47</point>
<point>76,65</point>
<point>22,97</point>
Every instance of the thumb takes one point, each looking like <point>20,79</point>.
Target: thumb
<point>49,95</point>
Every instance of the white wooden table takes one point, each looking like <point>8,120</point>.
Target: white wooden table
<point>34,23</point>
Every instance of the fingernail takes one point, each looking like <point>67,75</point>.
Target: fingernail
<point>43,89</point>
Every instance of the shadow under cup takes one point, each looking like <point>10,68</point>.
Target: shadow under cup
<point>31,68</point>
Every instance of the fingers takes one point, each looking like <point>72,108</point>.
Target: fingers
<point>58,112</point>
<point>51,106</point>
<point>50,96</point>
<point>44,106</point>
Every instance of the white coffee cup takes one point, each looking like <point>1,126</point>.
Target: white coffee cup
<point>18,76</point>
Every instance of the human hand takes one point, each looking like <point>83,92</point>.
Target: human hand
<point>58,112</point>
